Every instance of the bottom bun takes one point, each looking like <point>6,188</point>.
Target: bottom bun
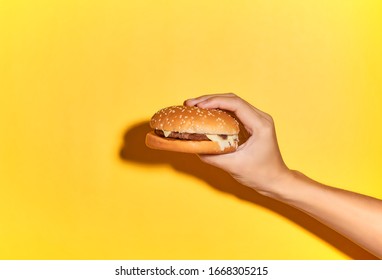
<point>154,141</point>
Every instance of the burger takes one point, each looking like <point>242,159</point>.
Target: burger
<point>193,130</point>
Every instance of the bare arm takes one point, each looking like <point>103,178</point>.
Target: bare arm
<point>356,216</point>
<point>258,164</point>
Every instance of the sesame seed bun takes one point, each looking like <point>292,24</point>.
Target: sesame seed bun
<point>193,120</point>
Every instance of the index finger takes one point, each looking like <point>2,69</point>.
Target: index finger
<point>247,114</point>
<point>194,101</point>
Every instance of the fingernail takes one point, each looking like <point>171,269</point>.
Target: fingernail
<point>187,101</point>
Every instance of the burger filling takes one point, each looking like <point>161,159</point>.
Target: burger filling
<point>223,140</point>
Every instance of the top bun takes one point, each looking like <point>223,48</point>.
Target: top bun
<point>194,120</point>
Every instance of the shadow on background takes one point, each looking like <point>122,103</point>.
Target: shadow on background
<point>135,150</point>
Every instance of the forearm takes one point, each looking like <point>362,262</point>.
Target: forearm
<point>356,216</point>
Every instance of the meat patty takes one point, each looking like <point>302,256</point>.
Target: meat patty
<point>187,136</point>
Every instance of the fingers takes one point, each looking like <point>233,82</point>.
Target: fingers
<point>195,101</point>
<point>250,116</point>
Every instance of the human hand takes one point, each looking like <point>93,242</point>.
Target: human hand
<point>257,163</point>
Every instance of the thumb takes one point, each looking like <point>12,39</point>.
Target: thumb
<point>221,161</point>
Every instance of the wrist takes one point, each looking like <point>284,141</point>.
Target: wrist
<point>282,186</point>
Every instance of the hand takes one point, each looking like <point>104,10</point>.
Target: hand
<point>257,163</point>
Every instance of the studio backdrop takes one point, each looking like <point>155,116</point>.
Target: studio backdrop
<point>79,81</point>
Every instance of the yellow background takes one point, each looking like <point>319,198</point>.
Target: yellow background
<point>80,79</point>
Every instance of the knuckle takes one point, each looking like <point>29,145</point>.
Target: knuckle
<point>239,100</point>
<point>267,118</point>
<point>270,118</point>
<point>266,124</point>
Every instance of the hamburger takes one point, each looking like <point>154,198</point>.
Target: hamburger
<point>193,130</point>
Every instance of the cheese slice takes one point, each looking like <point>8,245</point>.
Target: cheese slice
<point>166,133</point>
<point>230,141</point>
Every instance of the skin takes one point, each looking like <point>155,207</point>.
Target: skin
<point>258,164</point>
